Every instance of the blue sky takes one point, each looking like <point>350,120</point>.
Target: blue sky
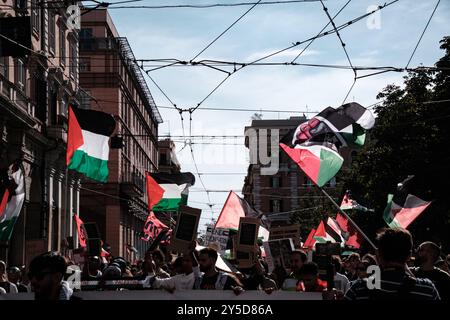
<point>182,33</point>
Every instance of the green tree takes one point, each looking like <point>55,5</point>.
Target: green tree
<point>411,137</point>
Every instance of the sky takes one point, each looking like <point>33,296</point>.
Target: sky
<point>384,39</point>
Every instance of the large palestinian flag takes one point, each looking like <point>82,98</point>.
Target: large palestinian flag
<point>88,142</point>
<point>12,196</point>
<point>319,162</point>
<point>343,126</point>
<point>172,190</point>
<point>402,212</point>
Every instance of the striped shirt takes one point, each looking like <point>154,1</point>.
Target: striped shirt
<point>394,285</point>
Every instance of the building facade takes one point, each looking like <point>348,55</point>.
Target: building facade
<point>289,190</point>
<point>35,91</point>
<point>113,83</point>
<point>168,162</point>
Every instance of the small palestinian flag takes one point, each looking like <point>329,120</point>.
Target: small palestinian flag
<point>350,204</point>
<point>233,210</point>
<point>319,162</point>
<point>12,196</point>
<point>351,236</point>
<point>328,231</point>
<point>174,188</point>
<point>310,241</point>
<point>343,126</point>
<point>88,142</point>
<point>401,213</point>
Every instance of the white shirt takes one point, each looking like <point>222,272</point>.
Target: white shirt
<point>341,282</point>
<point>178,282</point>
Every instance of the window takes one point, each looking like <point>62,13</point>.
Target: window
<point>4,67</point>
<point>51,32</point>
<point>73,59</point>
<point>35,16</point>
<point>21,74</point>
<point>21,4</point>
<point>85,64</point>
<point>85,33</point>
<point>275,182</point>
<point>62,45</point>
<point>275,205</point>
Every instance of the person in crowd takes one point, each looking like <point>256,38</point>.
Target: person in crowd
<point>211,278</point>
<point>188,272</point>
<point>361,269</point>
<point>257,278</point>
<point>46,273</point>
<point>351,266</point>
<point>427,255</point>
<point>443,265</point>
<point>112,272</point>
<point>8,286</point>
<point>15,277</point>
<point>396,281</point>
<point>161,269</point>
<point>2,291</point>
<point>92,268</point>
<point>341,282</point>
<point>309,278</point>
<point>298,259</point>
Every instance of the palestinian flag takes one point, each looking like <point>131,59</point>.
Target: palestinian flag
<point>343,126</point>
<point>88,142</point>
<point>351,236</point>
<point>328,231</point>
<point>350,204</point>
<point>319,162</point>
<point>232,211</point>
<point>12,197</point>
<point>172,189</point>
<point>401,212</point>
<point>310,241</point>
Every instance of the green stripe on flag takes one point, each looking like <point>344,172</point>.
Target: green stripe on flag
<point>330,164</point>
<point>6,229</point>
<point>93,168</point>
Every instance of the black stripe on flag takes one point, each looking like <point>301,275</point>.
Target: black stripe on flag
<point>176,178</point>
<point>330,231</point>
<point>95,121</point>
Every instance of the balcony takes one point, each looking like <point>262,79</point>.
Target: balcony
<point>132,185</point>
<point>58,131</point>
<point>17,102</point>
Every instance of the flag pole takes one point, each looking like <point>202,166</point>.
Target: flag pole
<point>347,216</point>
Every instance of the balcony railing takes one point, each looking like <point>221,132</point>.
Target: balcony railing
<point>11,92</point>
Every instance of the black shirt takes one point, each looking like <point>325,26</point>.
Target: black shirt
<point>440,279</point>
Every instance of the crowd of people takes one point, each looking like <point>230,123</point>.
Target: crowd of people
<point>404,273</point>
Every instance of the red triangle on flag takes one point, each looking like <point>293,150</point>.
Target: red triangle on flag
<point>231,212</point>
<point>310,241</point>
<point>154,191</point>
<point>353,238</point>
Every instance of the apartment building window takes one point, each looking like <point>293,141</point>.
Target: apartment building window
<point>275,205</point>
<point>73,59</point>
<point>21,4</point>
<point>4,67</point>
<point>62,45</point>
<point>275,182</point>
<point>85,64</point>
<point>21,74</point>
<point>51,32</point>
<point>35,16</point>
